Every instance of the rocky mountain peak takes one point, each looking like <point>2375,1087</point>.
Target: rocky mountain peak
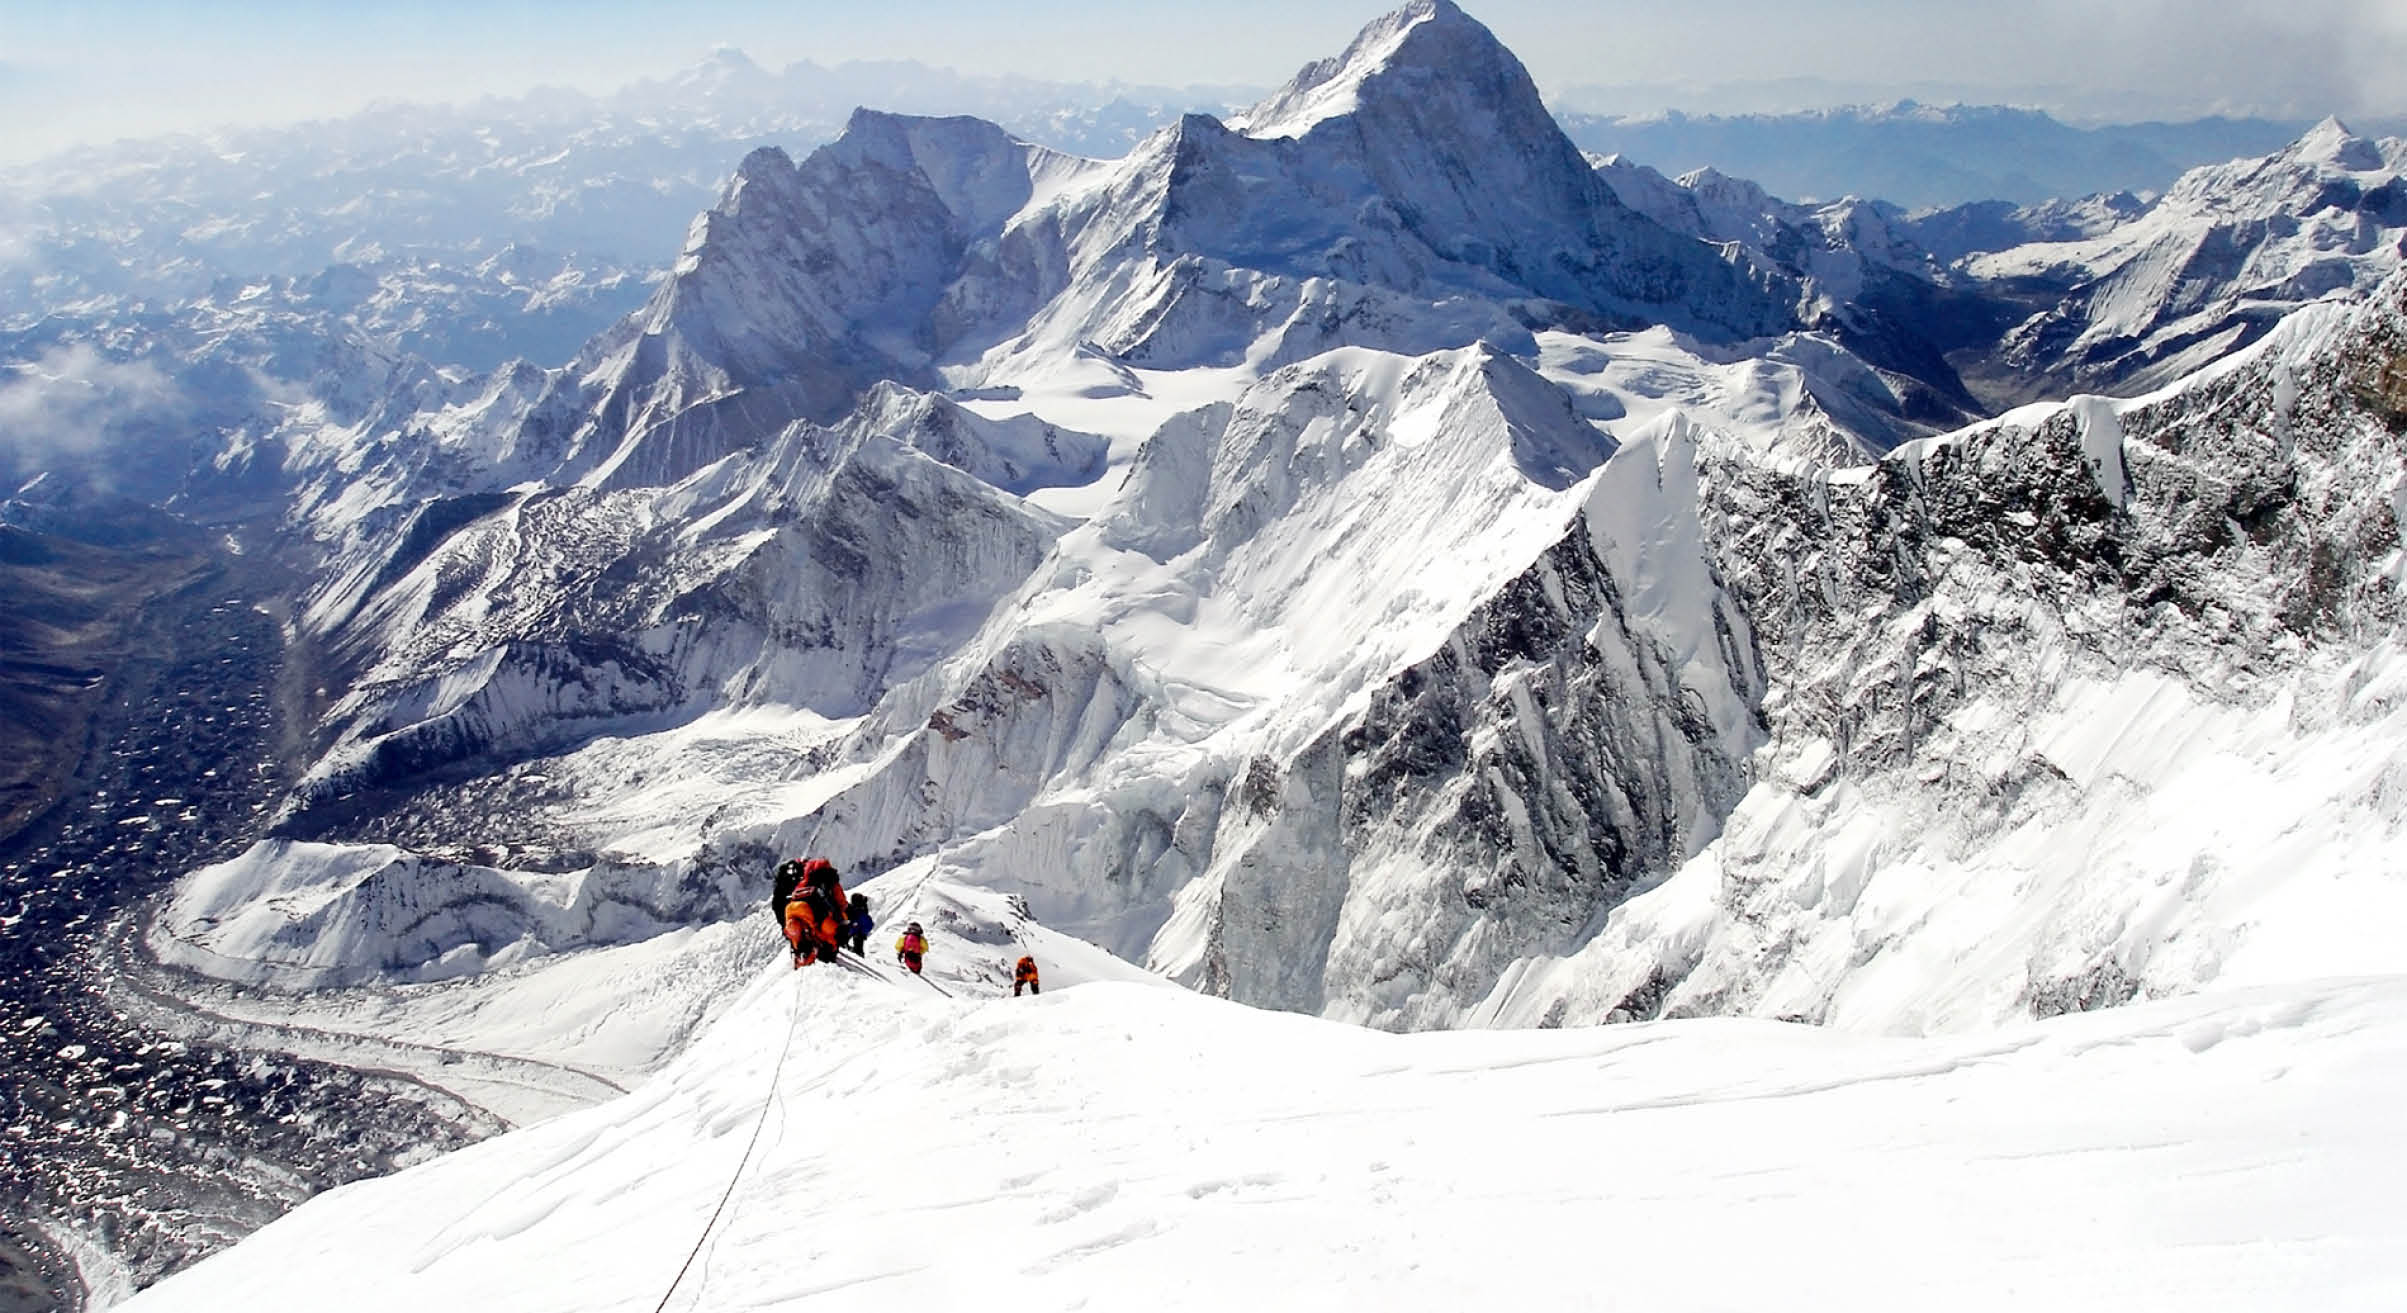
<point>2330,142</point>
<point>2293,178</point>
<point>1440,129</point>
<point>1711,184</point>
<point>980,173</point>
<point>724,65</point>
<point>1396,56</point>
<point>764,168</point>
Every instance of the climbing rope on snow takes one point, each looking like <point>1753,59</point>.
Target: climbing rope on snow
<point>793,1017</point>
<point>771,1099</point>
<point>911,903</point>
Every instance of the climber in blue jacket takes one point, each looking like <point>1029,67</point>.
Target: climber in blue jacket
<point>857,924</point>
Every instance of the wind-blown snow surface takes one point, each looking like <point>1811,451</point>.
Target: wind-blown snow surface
<point>1111,1146</point>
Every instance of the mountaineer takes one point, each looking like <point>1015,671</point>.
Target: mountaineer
<point>913,946</point>
<point>857,924</point>
<point>815,913</point>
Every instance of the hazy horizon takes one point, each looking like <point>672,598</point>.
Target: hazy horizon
<point>137,68</point>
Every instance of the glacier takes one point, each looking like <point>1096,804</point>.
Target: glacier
<point>1356,558</point>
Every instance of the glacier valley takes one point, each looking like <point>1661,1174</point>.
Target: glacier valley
<point>1550,724</point>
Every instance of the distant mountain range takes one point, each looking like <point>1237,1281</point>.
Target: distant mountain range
<point>1355,553</point>
<point>1922,156</point>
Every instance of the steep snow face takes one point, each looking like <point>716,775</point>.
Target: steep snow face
<point>1021,454</point>
<point>2098,701</point>
<point>2213,265</point>
<point>1582,729</point>
<point>1110,1145</point>
<point>1421,32</point>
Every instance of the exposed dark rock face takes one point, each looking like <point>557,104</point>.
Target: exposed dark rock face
<point>2236,540</point>
<point>1499,796</point>
<point>2217,534</point>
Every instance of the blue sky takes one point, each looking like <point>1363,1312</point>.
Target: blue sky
<point>87,69</point>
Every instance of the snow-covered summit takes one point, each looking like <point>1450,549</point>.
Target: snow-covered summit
<point>1446,124</point>
<point>2306,176</point>
<point>1386,58</point>
<point>725,72</point>
<point>2331,142</point>
<point>2211,266</point>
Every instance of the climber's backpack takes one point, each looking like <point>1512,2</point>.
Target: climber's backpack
<point>789,875</point>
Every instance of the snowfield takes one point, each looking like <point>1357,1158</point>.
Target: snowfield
<point>842,1140</point>
<point>1356,568</point>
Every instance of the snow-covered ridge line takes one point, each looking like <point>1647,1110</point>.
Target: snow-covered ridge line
<point>2212,265</point>
<point>2230,1151</point>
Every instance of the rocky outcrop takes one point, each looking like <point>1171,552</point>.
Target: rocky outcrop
<point>2050,703</point>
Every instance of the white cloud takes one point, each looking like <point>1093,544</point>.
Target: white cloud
<point>72,403</point>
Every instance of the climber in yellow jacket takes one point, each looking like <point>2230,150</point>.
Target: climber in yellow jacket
<point>911,947</point>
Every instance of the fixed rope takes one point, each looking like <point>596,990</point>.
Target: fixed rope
<point>776,1072</point>
<point>910,903</point>
<point>793,1016</point>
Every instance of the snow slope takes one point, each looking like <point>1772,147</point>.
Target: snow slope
<point>847,1141</point>
<point>1262,558</point>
